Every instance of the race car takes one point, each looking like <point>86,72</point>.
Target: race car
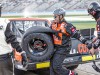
<point>35,37</point>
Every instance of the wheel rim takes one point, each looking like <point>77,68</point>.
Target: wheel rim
<point>38,47</point>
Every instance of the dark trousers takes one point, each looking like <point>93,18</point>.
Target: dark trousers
<point>18,72</point>
<point>21,72</point>
<point>57,60</point>
<point>6,66</point>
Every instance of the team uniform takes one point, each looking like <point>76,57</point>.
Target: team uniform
<point>62,41</point>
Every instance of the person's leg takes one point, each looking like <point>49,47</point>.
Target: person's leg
<point>51,67</point>
<point>6,67</point>
<point>19,72</point>
<point>56,63</point>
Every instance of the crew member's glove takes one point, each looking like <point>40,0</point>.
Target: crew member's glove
<point>92,51</point>
<point>89,45</point>
<point>24,58</point>
<point>91,48</point>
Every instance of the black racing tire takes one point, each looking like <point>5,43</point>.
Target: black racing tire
<point>72,67</point>
<point>37,53</point>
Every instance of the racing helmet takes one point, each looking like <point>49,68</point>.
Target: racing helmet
<point>93,7</point>
<point>59,11</point>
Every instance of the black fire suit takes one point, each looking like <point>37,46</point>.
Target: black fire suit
<point>6,65</point>
<point>10,38</point>
<point>97,42</point>
<point>64,49</point>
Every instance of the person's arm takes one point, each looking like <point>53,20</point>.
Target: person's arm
<point>75,34</point>
<point>98,28</point>
<point>11,38</point>
<point>97,42</point>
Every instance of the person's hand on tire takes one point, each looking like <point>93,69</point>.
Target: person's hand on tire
<point>24,58</point>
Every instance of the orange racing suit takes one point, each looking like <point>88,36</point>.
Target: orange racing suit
<point>62,40</point>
